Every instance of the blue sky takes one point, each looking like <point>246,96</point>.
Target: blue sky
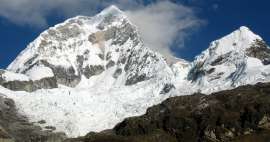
<point>219,17</point>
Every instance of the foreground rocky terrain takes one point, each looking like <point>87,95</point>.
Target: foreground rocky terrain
<point>16,128</point>
<point>240,115</point>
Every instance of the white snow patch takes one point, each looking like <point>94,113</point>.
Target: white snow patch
<point>39,72</point>
<point>10,76</point>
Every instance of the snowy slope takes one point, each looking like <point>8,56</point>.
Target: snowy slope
<point>11,76</point>
<point>237,59</point>
<point>77,111</point>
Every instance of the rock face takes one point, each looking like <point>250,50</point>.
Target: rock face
<point>16,128</point>
<point>20,82</point>
<point>241,115</point>
<point>259,50</point>
<point>4,136</point>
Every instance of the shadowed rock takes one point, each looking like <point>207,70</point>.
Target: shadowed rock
<point>17,128</point>
<point>29,85</point>
<point>260,51</point>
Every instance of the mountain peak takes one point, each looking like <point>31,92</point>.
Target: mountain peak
<point>244,28</point>
<point>113,10</point>
<point>245,33</point>
<point>239,40</point>
<point>235,59</point>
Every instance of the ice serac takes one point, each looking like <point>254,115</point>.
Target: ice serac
<point>106,46</point>
<point>239,58</point>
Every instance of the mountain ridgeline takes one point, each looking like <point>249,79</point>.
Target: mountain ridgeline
<point>90,73</point>
<point>108,43</point>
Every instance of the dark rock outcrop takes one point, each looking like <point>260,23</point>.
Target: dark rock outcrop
<point>15,127</point>
<point>261,51</point>
<point>240,115</point>
<point>30,85</point>
<point>167,88</point>
<point>19,85</point>
<point>65,76</point>
<point>93,70</point>
<point>117,73</point>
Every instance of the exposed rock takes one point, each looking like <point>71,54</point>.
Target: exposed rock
<point>31,60</point>
<point>65,76</point>
<point>110,64</point>
<point>210,71</point>
<point>221,59</point>
<point>196,72</point>
<point>136,78</point>
<point>45,83</point>
<point>50,128</point>
<point>4,136</point>
<point>28,85</point>
<point>41,122</point>
<point>101,56</point>
<point>93,70</point>
<point>265,122</point>
<point>117,73</point>
<point>19,85</point>
<point>17,128</point>
<point>109,56</point>
<point>261,51</point>
<point>167,88</point>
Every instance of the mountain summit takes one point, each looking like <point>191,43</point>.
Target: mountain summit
<point>89,73</point>
<point>106,46</point>
<point>112,10</point>
<point>239,58</point>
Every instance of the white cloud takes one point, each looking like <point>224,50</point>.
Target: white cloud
<point>36,12</point>
<point>164,23</point>
<point>160,23</point>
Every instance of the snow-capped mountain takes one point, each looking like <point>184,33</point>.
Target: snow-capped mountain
<point>239,58</point>
<point>106,45</point>
<point>89,73</point>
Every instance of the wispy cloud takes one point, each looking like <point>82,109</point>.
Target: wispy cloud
<point>36,12</point>
<point>161,23</point>
<point>164,23</point>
